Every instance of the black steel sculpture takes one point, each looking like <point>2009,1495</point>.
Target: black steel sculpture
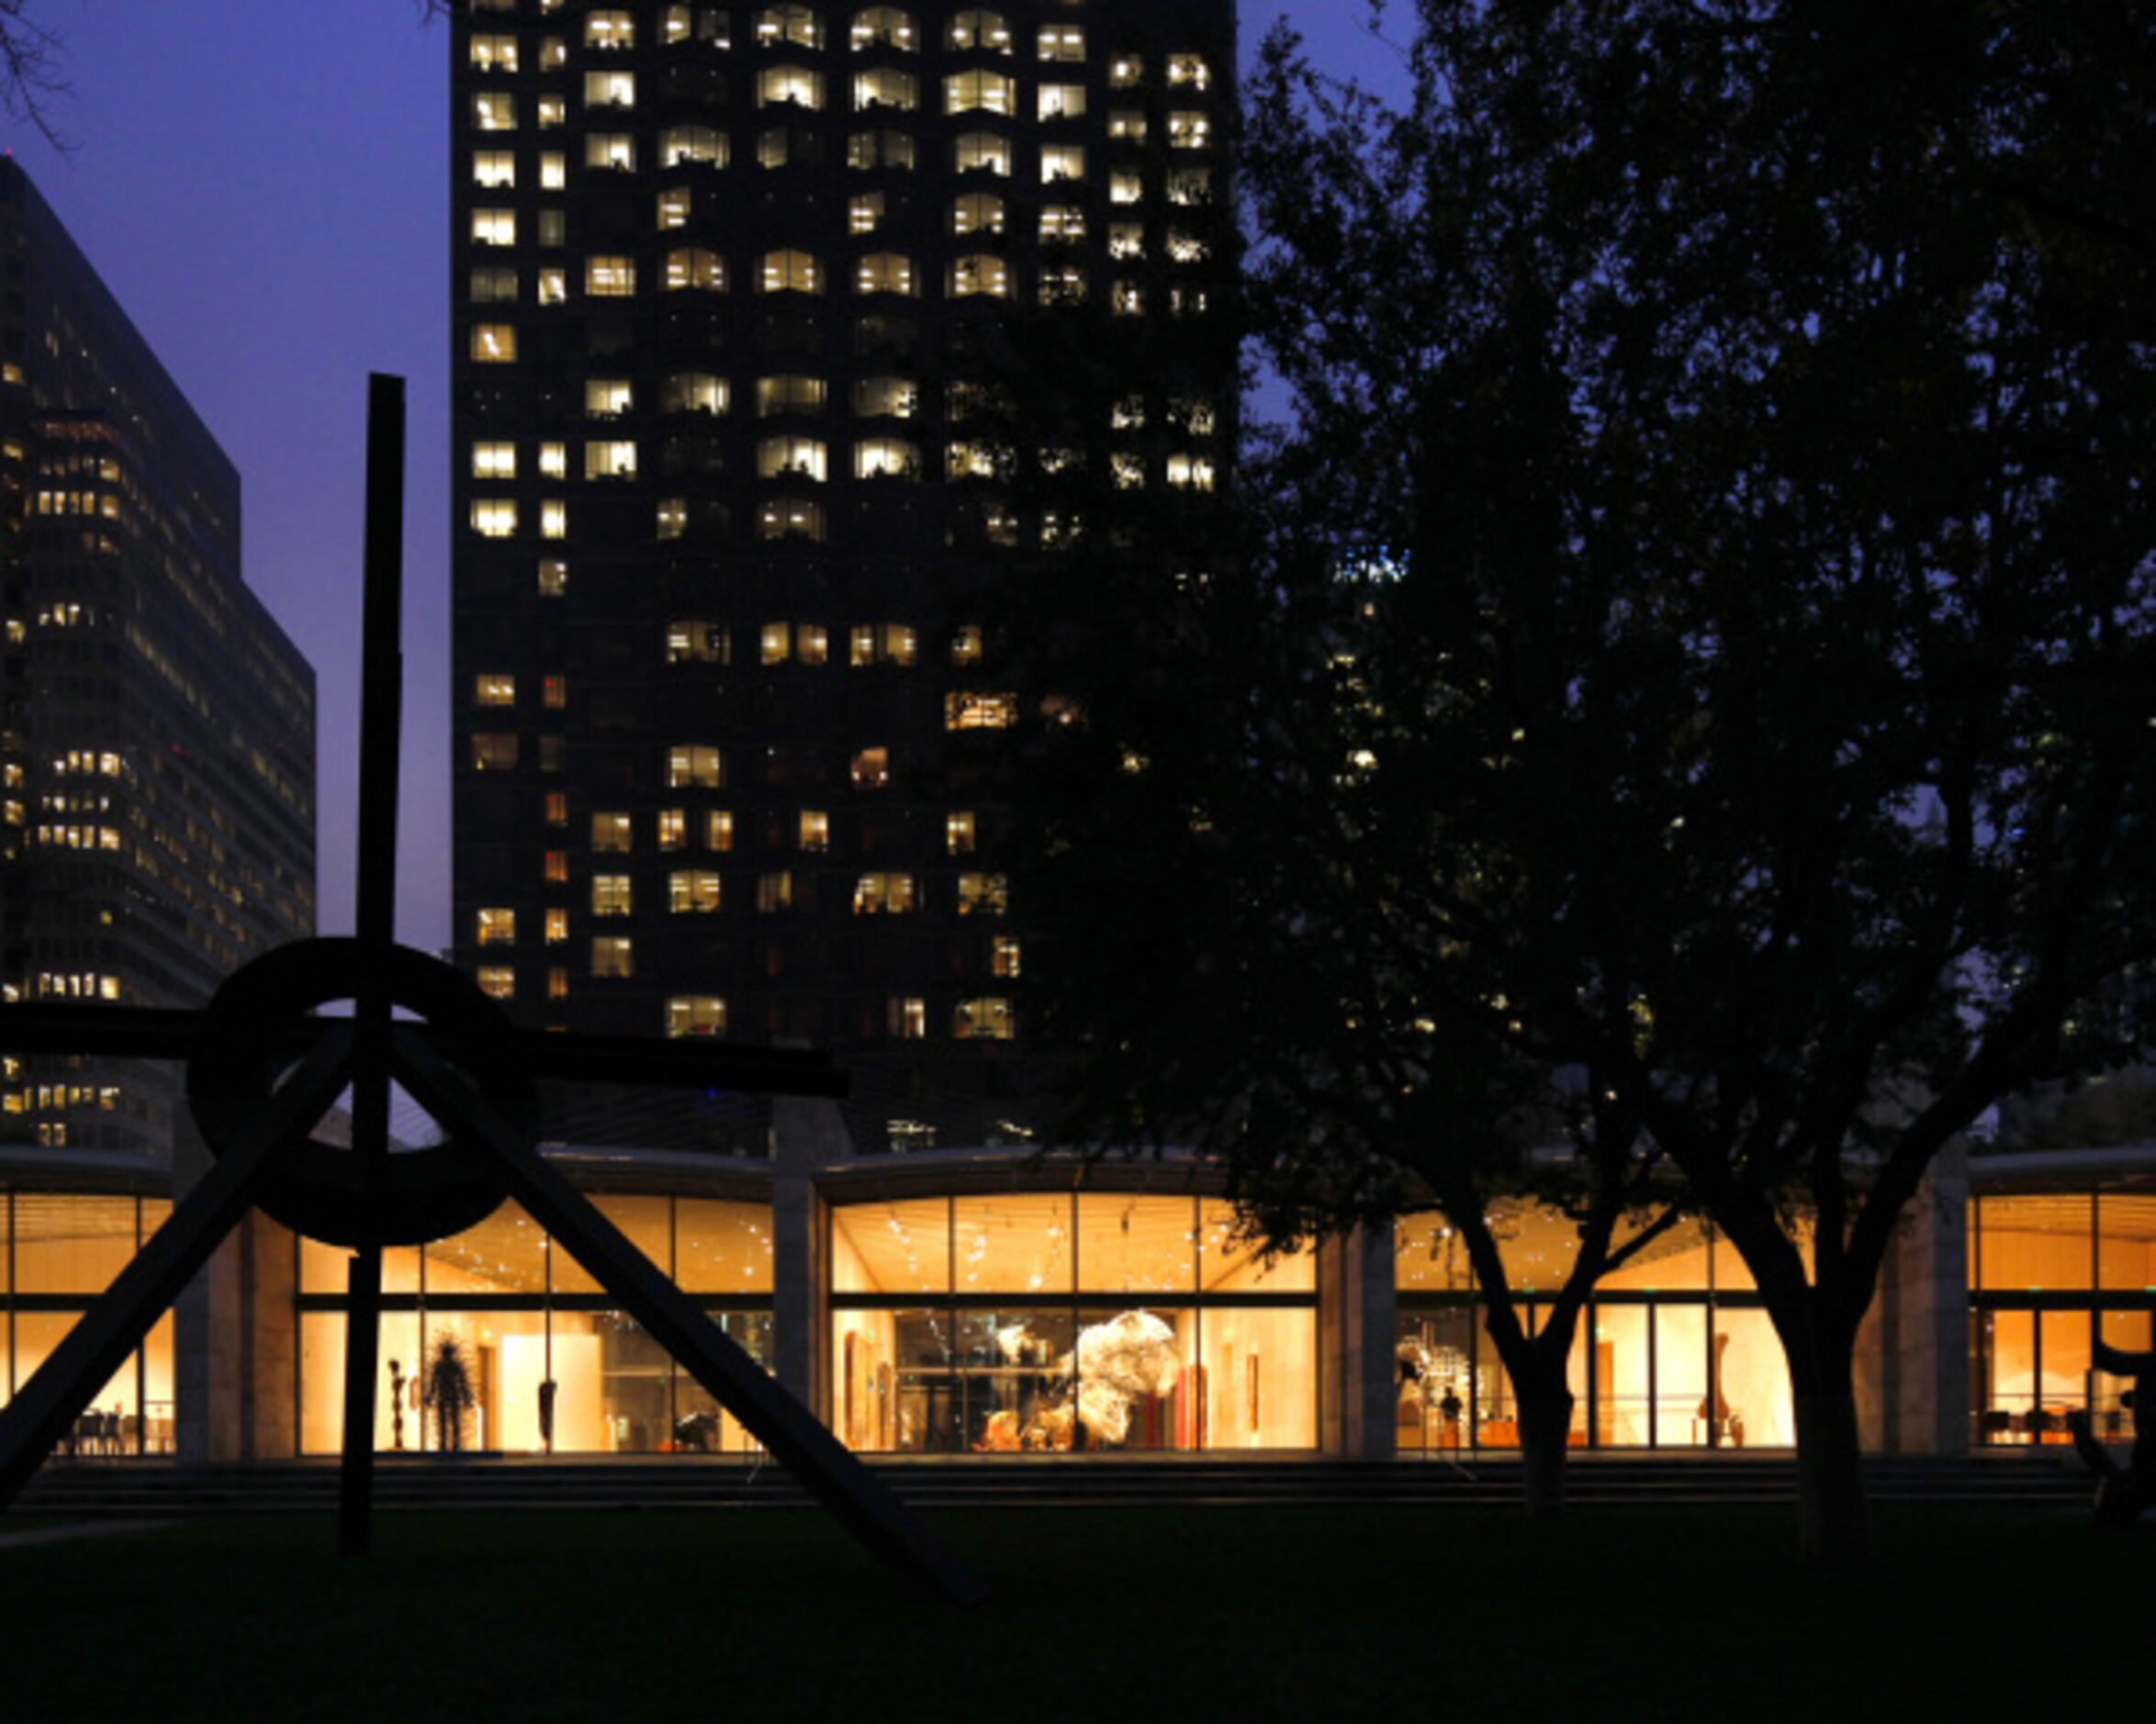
<point>2123,1493</point>
<point>264,1066</point>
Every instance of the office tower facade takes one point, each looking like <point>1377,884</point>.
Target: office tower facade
<point>728,282</point>
<point>156,726</point>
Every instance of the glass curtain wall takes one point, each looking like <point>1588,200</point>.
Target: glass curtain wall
<point>495,1341</point>
<point>1674,1351</point>
<point>2049,1274</point>
<point>1058,1323</point>
<point>58,1251</point>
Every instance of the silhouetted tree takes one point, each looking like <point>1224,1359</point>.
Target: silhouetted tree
<point>1222,909</point>
<point>1690,656</point>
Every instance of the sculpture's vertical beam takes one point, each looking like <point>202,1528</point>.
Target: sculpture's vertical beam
<point>381,723</point>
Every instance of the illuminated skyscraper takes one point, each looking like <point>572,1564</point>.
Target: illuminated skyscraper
<point>725,759</point>
<point>156,726</point>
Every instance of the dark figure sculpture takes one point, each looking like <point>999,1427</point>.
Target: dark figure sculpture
<point>548,1390</point>
<point>450,1393</point>
<point>396,1404</point>
<point>2123,1493</point>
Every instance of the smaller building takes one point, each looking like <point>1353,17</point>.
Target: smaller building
<point>156,803</point>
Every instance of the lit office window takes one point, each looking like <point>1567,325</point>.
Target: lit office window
<point>610,276</point>
<point>814,830</point>
<point>695,766</point>
<point>885,88</point>
<point>610,895</point>
<point>494,751</point>
<point>1188,130</point>
<point>886,458</point>
<point>884,273</point>
<point>963,711</point>
<point>1061,101</point>
<point>615,955</point>
<point>883,894</point>
<point>696,1014</point>
<point>886,397</point>
<point>980,92</point>
<point>494,343</point>
<point>609,28</point>
<point>609,89</point>
<point>492,168</point>
<point>611,831</point>
<point>693,892</point>
<point>612,151</point>
<point>790,272</point>
<point>1062,163</point>
<point>610,460</point>
<point>864,212</point>
<point>695,643</point>
<point>494,226</point>
<point>792,457</point>
<point>977,212</point>
<point>980,274</point>
<point>494,688</point>
<point>494,517</point>
<point>679,146</point>
<point>673,207</point>
<point>788,26</point>
<point>494,461</point>
<point>959,831</point>
<point>494,284</point>
<point>984,1020</point>
<point>494,110</point>
<point>695,268</point>
<point>981,152</point>
<point>883,26</point>
<point>982,895</point>
<point>497,926</point>
<point>1190,70</point>
<point>885,149</point>
<point>1064,44</point>
<point>692,392</point>
<point>979,27</point>
<point>494,53</point>
<point>498,982</point>
<point>777,85</point>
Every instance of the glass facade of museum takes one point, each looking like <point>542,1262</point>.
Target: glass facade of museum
<point>58,1251</point>
<point>1674,1351</point>
<point>521,1313</point>
<point>2049,1274</point>
<point>1050,1322</point>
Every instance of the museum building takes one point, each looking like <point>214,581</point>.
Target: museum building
<point>997,1301</point>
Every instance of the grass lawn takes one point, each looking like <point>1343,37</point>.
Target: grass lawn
<point>1196,1616</point>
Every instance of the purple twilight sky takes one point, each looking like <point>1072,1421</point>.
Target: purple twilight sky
<point>268,198</point>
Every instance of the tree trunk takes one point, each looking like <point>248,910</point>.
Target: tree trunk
<point>1833,1515</point>
<point>1545,1429</point>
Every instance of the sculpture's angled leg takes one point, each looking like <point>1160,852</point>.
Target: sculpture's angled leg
<point>823,1464</point>
<point>54,1397</point>
<point>2093,1455</point>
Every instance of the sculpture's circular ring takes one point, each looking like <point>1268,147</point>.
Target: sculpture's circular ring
<point>256,1027</point>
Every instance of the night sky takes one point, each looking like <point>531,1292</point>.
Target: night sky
<point>265,187</point>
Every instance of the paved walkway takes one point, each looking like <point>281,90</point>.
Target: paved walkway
<point>75,1529</point>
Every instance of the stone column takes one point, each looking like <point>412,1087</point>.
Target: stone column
<point>1927,1333</point>
<point>270,1388</point>
<point>807,1134</point>
<point>1356,1340</point>
<point>209,1356</point>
